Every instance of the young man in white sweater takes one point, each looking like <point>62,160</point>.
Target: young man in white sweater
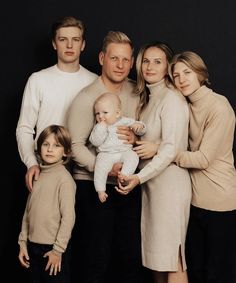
<point>49,92</point>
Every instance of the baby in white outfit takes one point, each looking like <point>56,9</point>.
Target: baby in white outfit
<point>110,148</point>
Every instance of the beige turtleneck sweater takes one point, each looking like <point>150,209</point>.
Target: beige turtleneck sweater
<point>210,161</point>
<point>49,214</point>
<point>166,117</point>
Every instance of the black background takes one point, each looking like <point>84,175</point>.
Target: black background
<point>206,27</point>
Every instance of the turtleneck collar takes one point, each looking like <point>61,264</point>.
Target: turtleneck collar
<point>156,87</point>
<point>51,167</point>
<point>200,93</point>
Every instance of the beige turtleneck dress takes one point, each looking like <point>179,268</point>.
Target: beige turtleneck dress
<point>166,188</point>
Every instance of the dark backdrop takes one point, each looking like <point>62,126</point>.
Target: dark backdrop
<point>206,27</point>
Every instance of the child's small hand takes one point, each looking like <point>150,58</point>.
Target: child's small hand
<point>102,196</point>
<point>136,127</point>
<point>54,262</point>
<point>24,257</point>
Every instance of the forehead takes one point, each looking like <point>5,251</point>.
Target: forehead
<point>106,103</point>
<point>180,66</point>
<point>119,49</point>
<point>69,32</point>
<point>50,137</point>
<point>154,52</point>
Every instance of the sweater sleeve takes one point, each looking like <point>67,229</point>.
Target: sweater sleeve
<point>27,121</point>
<point>217,128</point>
<point>174,119</point>
<point>23,236</point>
<point>98,135</point>
<point>80,123</point>
<point>67,210</point>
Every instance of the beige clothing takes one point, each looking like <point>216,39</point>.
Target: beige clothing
<point>211,161</point>
<point>81,121</point>
<point>166,193</point>
<point>49,214</point>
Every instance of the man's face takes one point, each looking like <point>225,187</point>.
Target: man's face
<point>116,62</point>
<point>68,43</point>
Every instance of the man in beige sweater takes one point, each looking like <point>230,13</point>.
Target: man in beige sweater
<point>107,232</point>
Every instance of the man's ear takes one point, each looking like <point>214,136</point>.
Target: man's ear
<point>83,45</point>
<point>132,62</point>
<point>54,45</point>
<point>101,57</point>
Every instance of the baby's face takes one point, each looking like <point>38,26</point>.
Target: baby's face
<point>107,112</point>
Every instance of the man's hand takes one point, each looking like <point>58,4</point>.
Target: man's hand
<point>32,174</point>
<point>146,149</point>
<point>126,134</point>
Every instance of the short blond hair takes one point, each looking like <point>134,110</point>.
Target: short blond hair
<point>116,37</point>
<point>68,21</point>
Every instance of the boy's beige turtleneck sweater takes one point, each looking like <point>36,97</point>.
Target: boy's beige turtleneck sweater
<point>211,161</point>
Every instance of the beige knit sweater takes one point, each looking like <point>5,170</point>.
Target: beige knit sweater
<point>211,161</point>
<point>49,214</point>
<point>81,121</point>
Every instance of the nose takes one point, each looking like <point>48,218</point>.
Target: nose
<point>120,64</point>
<point>182,78</point>
<point>149,66</point>
<point>69,44</point>
<point>50,148</point>
<point>101,115</point>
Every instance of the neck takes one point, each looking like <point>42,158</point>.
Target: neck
<point>113,87</point>
<point>69,67</point>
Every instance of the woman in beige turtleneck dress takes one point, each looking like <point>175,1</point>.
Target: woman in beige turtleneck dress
<point>166,188</point>
<point>211,239</point>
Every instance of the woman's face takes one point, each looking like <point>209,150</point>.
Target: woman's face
<point>185,79</point>
<point>154,65</point>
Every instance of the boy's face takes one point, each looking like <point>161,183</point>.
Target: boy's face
<point>69,44</point>
<point>106,111</point>
<point>51,151</point>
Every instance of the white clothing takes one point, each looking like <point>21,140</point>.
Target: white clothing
<point>111,150</point>
<point>46,99</point>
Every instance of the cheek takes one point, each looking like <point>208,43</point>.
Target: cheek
<point>143,68</point>
<point>176,83</point>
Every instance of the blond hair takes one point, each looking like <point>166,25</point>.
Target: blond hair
<point>140,87</point>
<point>194,62</point>
<point>116,37</point>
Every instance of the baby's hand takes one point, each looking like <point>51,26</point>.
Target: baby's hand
<point>136,127</point>
<point>102,196</point>
<point>103,123</point>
